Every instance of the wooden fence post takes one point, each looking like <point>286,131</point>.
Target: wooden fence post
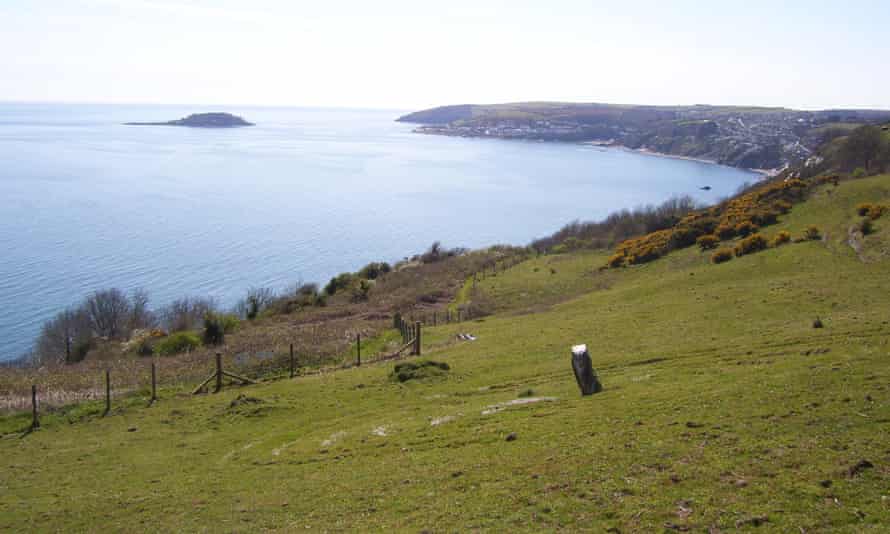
<point>434,318</point>
<point>358,349</point>
<point>219,372</point>
<point>154,383</point>
<point>107,392</point>
<point>35,422</point>
<point>292,360</point>
<point>458,315</point>
<point>417,334</point>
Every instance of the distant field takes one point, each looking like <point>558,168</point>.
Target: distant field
<point>724,408</point>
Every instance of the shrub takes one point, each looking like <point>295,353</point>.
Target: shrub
<point>179,342</point>
<point>746,228</point>
<point>812,233</point>
<point>751,244</point>
<point>341,281</point>
<point>865,226</point>
<point>143,346</point>
<point>616,260</point>
<point>725,231</point>
<point>863,209</point>
<point>360,290</point>
<point>560,249</point>
<point>817,323</point>
<point>860,173</point>
<point>765,218</point>
<point>782,238</point>
<point>418,370</point>
<point>721,255</point>
<point>214,329</point>
<point>374,270</point>
<point>707,242</point>
<point>782,206</point>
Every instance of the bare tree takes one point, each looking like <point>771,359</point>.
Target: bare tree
<point>108,310</point>
<point>257,300</point>
<point>65,338</point>
<point>140,315</point>
<point>186,313</point>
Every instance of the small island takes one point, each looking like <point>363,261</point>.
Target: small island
<point>201,120</point>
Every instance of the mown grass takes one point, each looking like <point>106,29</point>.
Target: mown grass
<point>723,408</point>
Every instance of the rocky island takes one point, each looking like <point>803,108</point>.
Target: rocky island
<point>201,120</point>
<point>745,137</point>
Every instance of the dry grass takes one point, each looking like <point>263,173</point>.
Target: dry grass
<point>322,336</point>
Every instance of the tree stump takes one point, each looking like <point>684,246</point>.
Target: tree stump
<point>584,373</point>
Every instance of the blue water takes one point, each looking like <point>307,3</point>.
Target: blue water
<point>87,203</point>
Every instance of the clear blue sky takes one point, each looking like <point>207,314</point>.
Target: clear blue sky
<point>414,54</point>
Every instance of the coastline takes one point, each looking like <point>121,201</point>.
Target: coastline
<point>765,173</point>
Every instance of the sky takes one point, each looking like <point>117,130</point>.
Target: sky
<point>416,54</point>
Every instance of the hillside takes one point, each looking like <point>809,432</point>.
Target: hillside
<point>748,137</point>
<point>724,408</point>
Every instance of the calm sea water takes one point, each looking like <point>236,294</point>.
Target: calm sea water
<point>87,203</point>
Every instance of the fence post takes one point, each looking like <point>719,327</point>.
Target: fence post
<point>291,360</point>
<point>107,392</point>
<point>35,422</point>
<point>417,328</point>
<point>154,383</point>
<point>219,373</point>
<point>458,315</point>
<point>434,318</point>
<point>358,349</point>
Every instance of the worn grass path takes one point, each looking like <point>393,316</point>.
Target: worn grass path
<point>724,408</point>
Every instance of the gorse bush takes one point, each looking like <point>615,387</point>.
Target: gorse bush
<point>707,242</point>
<point>178,343</point>
<point>812,233</point>
<point>746,228</point>
<point>721,255</point>
<point>782,206</point>
<point>782,238</point>
<point>755,207</point>
<point>751,244</point>
<point>616,260</point>
<point>863,209</point>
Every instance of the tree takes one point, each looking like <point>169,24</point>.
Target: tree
<point>140,315</point>
<point>186,313</point>
<point>65,338</point>
<point>109,310</point>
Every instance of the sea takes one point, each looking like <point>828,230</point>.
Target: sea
<point>88,203</point>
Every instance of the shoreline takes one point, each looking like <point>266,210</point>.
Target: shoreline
<point>765,173</point>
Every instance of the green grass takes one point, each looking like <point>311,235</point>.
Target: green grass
<point>721,404</point>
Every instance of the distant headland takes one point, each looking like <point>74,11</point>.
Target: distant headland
<point>201,120</point>
<point>745,137</point>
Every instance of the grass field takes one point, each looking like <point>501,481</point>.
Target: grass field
<point>723,409</point>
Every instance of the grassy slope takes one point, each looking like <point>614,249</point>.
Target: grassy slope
<point>722,404</point>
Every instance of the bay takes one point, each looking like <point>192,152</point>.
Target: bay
<point>88,203</point>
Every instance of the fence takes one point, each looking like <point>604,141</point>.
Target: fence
<point>410,330</point>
